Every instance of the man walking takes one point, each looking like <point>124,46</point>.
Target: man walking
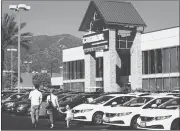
<point>36,98</point>
<point>52,111</point>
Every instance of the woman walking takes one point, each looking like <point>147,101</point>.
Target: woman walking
<point>53,105</point>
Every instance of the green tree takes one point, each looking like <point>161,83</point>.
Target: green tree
<point>9,32</point>
<point>42,78</point>
<point>7,80</point>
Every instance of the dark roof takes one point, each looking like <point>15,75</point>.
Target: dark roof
<point>118,13</point>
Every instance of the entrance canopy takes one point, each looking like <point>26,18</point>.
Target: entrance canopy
<point>107,13</point>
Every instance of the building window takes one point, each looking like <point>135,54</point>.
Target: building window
<point>145,62</point>
<point>158,61</point>
<point>73,70</point>
<point>152,84</point>
<point>82,69</point>
<point>124,42</point>
<point>166,60</point>
<point>145,84</point>
<point>99,67</point>
<point>166,83</point>
<point>99,83</point>
<point>159,84</point>
<point>173,60</point>
<point>151,61</point>
<point>74,86</point>
<point>177,57</point>
<point>174,83</point>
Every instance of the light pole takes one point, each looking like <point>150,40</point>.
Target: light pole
<point>11,50</point>
<point>19,8</point>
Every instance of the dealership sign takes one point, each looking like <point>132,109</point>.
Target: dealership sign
<point>94,38</point>
<point>96,41</point>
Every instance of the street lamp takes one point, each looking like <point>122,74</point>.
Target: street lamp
<point>19,8</point>
<point>11,50</point>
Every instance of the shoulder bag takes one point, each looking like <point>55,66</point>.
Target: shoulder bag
<point>50,104</point>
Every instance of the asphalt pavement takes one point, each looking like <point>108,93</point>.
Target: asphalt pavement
<point>13,122</point>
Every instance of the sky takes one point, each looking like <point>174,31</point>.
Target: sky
<point>64,17</point>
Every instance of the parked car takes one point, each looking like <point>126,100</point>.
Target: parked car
<point>61,98</point>
<point>4,93</point>
<point>175,91</point>
<point>77,100</point>
<point>127,114</point>
<point>93,111</point>
<point>8,105</point>
<point>13,96</point>
<point>164,117</point>
<point>22,107</point>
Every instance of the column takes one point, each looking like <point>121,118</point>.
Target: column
<point>90,71</point>
<point>111,61</point>
<point>136,63</point>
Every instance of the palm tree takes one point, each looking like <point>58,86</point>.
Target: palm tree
<point>9,32</point>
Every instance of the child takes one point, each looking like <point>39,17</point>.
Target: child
<point>69,115</point>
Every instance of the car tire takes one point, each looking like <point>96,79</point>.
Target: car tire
<point>175,125</point>
<point>134,122</point>
<point>97,118</point>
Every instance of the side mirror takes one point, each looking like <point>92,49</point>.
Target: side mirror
<point>153,106</point>
<point>113,104</point>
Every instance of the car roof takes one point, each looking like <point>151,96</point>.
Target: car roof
<point>159,96</point>
<point>117,95</point>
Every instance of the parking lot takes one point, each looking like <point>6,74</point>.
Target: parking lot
<point>14,122</point>
<point>93,111</point>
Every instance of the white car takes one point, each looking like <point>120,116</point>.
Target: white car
<point>127,114</point>
<point>164,117</point>
<point>93,112</point>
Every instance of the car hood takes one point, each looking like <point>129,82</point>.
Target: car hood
<point>158,112</point>
<point>87,106</point>
<point>23,102</point>
<point>121,109</point>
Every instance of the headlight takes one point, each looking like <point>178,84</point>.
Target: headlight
<point>85,110</point>
<point>61,108</point>
<point>123,114</point>
<point>9,104</point>
<point>162,117</point>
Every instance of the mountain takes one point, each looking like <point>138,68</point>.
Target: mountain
<point>45,52</point>
<point>44,41</point>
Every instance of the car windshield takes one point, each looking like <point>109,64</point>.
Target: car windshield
<point>137,102</point>
<point>66,98</point>
<point>101,100</point>
<point>6,96</point>
<point>171,104</point>
<point>60,96</point>
<point>24,97</point>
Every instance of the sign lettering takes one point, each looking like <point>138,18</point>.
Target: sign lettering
<point>93,38</point>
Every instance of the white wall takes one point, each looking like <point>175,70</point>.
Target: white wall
<point>73,54</point>
<point>76,53</point>
<point>57,81</point>
<point>160,39</point>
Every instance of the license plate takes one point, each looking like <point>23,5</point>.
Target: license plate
<point>143,124</point>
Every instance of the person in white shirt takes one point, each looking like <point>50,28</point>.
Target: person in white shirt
<point>52,112</point>
<point>36,98</point>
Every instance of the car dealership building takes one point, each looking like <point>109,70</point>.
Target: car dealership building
<point>117,53</point>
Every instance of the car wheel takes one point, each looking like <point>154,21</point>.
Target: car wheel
<point>97,118</point>
<point>134,122</point>
<point>175,125</point>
